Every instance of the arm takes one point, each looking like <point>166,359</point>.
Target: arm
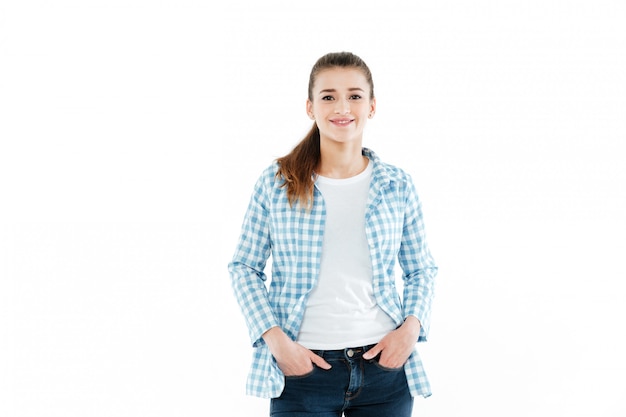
<point>248,281</point>
<point>248,263</point>
<point>418,266</point>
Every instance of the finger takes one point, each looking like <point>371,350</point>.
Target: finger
<point>392,362</point>
<point>373,352</point>
<point>320,362</point>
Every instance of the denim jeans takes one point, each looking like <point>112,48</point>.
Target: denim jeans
<point>353,386</point>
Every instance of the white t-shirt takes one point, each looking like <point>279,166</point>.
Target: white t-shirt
<point>341,310</point>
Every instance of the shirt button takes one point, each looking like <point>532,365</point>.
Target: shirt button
<point>350,353</point>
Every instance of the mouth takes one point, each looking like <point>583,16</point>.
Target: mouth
<point>341,122</point>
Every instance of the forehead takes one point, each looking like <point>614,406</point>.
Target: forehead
<point>340,78</point>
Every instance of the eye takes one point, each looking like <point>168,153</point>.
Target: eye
<point>328,98</point>
<point>355,97</point>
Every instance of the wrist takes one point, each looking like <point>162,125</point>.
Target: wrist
<point>412,325</point>
<point>273,336</point>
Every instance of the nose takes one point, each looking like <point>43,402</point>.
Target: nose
<point>342,106</point>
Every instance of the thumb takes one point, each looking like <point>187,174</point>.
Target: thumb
<point>320,362</point>
<point>373,352</point>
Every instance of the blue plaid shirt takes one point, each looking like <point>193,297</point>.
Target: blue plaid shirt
<point>293,238</point>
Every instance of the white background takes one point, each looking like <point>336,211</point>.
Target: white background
<point>132,132</point>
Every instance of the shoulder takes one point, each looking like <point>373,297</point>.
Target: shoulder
<point>396,173</point>
<point>386,171</point>
<point>268,176</point>
<point>269,186</point>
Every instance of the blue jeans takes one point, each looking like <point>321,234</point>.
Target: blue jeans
<point>354,386</point>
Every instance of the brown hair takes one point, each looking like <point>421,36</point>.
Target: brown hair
<point>297,167</point>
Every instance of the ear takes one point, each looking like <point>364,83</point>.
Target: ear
<point>372,107</point>
<point>309,109</point>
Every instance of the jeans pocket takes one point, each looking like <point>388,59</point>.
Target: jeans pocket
<point>308,374</point>
<point>376,362</point>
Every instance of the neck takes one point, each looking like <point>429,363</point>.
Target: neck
<point>341,160</point>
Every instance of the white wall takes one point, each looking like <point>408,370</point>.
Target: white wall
<point>131,133</point>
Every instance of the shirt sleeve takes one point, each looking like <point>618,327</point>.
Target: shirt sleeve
<point>418,266</point>
<point>248,263</point>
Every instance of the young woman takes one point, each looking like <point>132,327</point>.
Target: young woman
<point>331,335</point>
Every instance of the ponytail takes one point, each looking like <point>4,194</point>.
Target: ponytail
<point>297,169</point>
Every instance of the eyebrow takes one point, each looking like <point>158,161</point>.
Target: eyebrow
<point>332,90</point>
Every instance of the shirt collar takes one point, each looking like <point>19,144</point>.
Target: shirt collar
<point>380,171</point>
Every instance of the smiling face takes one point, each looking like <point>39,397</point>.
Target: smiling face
<point>341,103</point>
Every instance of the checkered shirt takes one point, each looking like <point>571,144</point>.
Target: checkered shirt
<point>292,237</point>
